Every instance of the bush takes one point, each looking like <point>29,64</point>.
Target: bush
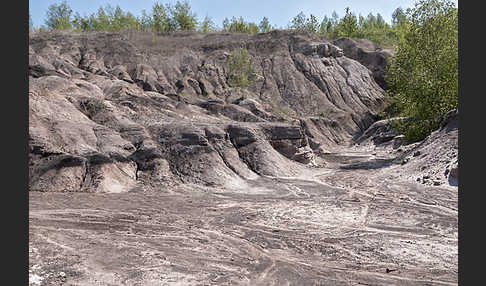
<point>423,75</point>
<point>241,73</point>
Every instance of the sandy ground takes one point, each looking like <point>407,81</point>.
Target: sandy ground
<point>351,222</point>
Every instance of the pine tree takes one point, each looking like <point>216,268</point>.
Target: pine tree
<point>348,25</point>
<point>380,22</point>
<point>311,24</point>
<point>371,21</point>
<point>398,17</point>
<point>207,25</point>
<point>160,19</point>
<point>145,21</point>
<point>81,23</point>
<point>100,22</point>
<point>226,25</point>
<point>184,19</point>
<point>298,22</point>
<point>334,18</point>
<point>265,26</point>
<point>323,27</point>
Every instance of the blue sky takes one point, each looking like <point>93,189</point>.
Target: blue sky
<point>279,12</point>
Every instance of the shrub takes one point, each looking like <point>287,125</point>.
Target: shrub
<point>90,107</point>
<point>241,73</point>
<point>423,76</point>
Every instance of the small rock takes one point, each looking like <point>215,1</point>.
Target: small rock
<point>446,172</point>
<point>398,141</point>
<point>62,274</point>
<point>454,173</point>
<point>426,177</point>
<point>437,183</point>
<point>417,153</point>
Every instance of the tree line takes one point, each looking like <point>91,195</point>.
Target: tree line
<point>422,76</point>
<point>180,17</point>
<point>371,27</point>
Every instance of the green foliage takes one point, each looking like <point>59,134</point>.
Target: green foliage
<point>377,30</point>
<point>348,26</point>
<point>328,26</point>
<point>423,76</point>
<point>91,107</point>
<point>265,25</point>
<point>145,21</point>
<point>80,23</point>
<point>239,25</point>
<point>241,73</point>
<point>106,19</point>
<point>120,20</point>
<point>311,24</point>
<point>225,24</point>
<point>252,28</point>
<point>207,25</point>
<point>59,16</point>
<point>163,18</point>
<point>182,17</point>
<point>399,17</point>
<point>324,26</point>
<point>236,25</point>
<point>380,22</point>
<point>298,22</point>
<point>372,27</point>
<point>161,21</point>
<point>179,17</point>
<point>302,23</point>
<point>334,18</point>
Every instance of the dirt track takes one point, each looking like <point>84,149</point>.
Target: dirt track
<point>344,224</point>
